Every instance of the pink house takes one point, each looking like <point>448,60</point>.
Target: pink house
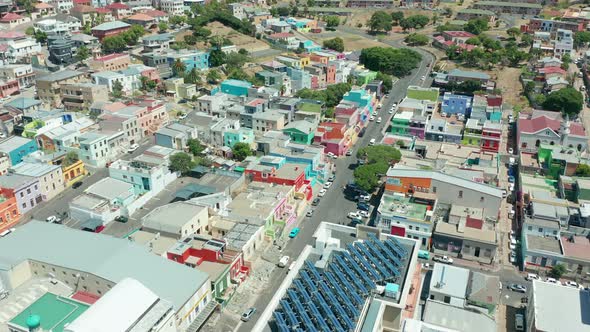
<point>336,137</point>
<point>151,74</point>
<point>7,88</point>
<point>347,112</point>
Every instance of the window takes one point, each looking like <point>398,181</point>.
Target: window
<point>28,191</point>
<point>530,228</point>
<point>447,299</point>
<point>410,227</point>
<point>481,199</point>
<point>460,193</point>
<point>24,205</point>
<point>22,194</point>
<point>434,190</point>
<point>540,230</point>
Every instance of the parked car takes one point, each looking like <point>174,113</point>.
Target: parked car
<point>372,118</point>
<point>571,284</point>
<point>332,178</point>
<point>327,185</point>
<point>532,276</point>
<point>283,261</point>
<point>379,120</point>
<point>349,153</point>
<point>122,219</point>
<point>322,192</point>
<point>353,215</point>
<point>77,184</point>
<point>309,213</point>
<point>364,198</point>
<point>364,214</point>
<point>331,155</point>
<point>53,219</point>
<point>390,111</point>
<point>517,288</point>
<point>519,322</point>
<point>553,281</point>
<point>363,206</point>
<point>510,150</point>
<point>294,232</point>
<point>182,116</point>
<point>372,142</point>
<point>132,148</point>
<point>443,259</point>
<point>248,314</point>
<point>512,257</point>
<point>511,179</point>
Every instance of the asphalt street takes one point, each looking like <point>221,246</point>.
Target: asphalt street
<point>334,207</point>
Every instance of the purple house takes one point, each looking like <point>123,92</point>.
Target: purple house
<point>26,190</point>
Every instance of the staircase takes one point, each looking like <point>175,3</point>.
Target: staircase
<point>203,316</point>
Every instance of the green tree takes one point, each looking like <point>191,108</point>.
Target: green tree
<point>414,22</point>
<point>394,61</point>
<point>241,150</point>
<point>114,44</point>
<point>70,158</point>
<point>195,147</point>
<point>566,60</point>
<point>513,32</point>
<point>378,159</point>
<point>202,33</point>
<point>82,53</point>
<point>181,162</point>
<point>526,40</point>
<point>367,176</point>
<point>213,76</point>
<point>163,26</point>
<point>387,81</point>
<point>332,21</point>
<point>192,77</point>
<point>236,59</point>
<point>529,87</point>
<point>283,11</point>
<point>473,41</point>
<point>178,68</point>
<point>416,39</point>
<point>379,154</point>
<point>477,26</point>
<point>40,36</point>
<point>515,56</point>
<point>396,17</point>
<point>177,20</point>
<point>216,58</point>
<point>190,39</point>
<point>581,38</point>
<point>336,44</point>
<point>583,170</point>
<point>568,100</point>
<point>380,21</point>
<point>557,271</point>
<point>30,31</point>
<point>117,89</point>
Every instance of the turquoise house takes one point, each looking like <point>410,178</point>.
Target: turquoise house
<point>191,59</point>
<point>362,97</point>
<point>242,135</point>
<point>235,87</point>
<point>309,46</point>
<point>301,131</point>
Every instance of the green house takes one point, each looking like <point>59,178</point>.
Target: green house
<point>472,133</point>
<point>301,131</point>
<point>400,124</point>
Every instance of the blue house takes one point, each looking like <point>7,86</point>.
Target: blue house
<point>456,104</point>
<point>235,87</point>
<point>17,147</point>
<point>191,59</point>
<point>310,46</point>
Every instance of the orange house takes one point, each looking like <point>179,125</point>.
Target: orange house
<point>9,213</point>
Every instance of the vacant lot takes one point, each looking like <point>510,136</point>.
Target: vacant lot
<point>351,42</point>
<point>240,40</point>
<point>507,80</point>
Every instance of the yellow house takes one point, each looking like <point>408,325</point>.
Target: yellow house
<point>74,172</point>
<point>305,60</point>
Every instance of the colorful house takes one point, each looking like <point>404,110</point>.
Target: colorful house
<point>549,128</point>
<point>235,87</point>
<point>73,172</point>
<point>191,58</point>
<point>336,137</point>
<point>472,133</point>
<point>309,46</point>
<point>491,136</point>
<point>9,213</point>
<point>456,104</point>
<point>17,147</point>
<point>109,29</point>
<point>301,131</point>
<point>242,135</point>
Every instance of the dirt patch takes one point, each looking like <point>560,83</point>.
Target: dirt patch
<point>351,42</point>
<point>507,79</point>
<point>240,40</point>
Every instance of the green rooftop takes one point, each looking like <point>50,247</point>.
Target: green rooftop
<point>423,94</point>
<point>309,107</point>
<point>55,312</point>
<point>403,206</point>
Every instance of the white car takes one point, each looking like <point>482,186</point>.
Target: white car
<point>353,215</point>
<point>322,192</point>
<point>364,214</point>
<point>327,185</point>
<point>390,111</point>
<point>53,219</point>
<point>132,148</point>
<point>182,116</point>
<point>532,276</point>
<point>571,284</point>
<point>423,77</point>
<point>511,150</point>
<point>443,259</point>
<point>553,281</point>
<point>379,120</point>
<point>512,257</point>
<point>372,118</point>
<point>393,106</point>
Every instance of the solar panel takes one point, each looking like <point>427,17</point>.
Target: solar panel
<point>360,273</point>
<point>301,290</point>
<point>364,262</point>
<point>400,247</point>
<point>343,315</point>
<point>355,280</point>
<point>386,274</point>
<point>313,271</point>
<point>328,312</point>
<point>308,282</point>
<point>293,321</point>
<point>389,253</point>
<point>395,249</point>
<point>348,303</point>
<point>281,323</point>
<point>301,310</point>
<point>371,247</point>
<point>318,317</point>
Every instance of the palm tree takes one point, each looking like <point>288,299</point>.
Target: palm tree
<point>178,67</point>
<point>192,77</point>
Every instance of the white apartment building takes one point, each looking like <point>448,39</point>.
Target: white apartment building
<point>23,73</point>
<point>172,7</point>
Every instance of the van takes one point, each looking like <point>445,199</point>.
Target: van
<point>519,322</point>
<point>372,142</point>
<point>423,254</point>
<point>6,232</point>
<point>283,261</point>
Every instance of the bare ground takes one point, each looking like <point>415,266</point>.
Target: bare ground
<point>507,79</point>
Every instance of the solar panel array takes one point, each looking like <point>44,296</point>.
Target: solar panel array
<point>331,300</point>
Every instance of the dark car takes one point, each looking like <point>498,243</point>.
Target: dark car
<point>315,201</point>
<point>517,288</point>
<point>363,206</point>
<point>77,184</point>
<point>362,132</point>
<point>122,219</point>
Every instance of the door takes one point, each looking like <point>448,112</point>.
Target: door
<point>477,251</point>
<point>543,261</point>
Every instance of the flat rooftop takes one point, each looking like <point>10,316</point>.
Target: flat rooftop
<point>560,308</point>
<point>576,246</point>
<point>549,244</point>
<point>403,206</point>
<point>55,312</point>
<point>475,234</point>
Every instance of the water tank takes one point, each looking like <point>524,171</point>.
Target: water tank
<point>34,322</point>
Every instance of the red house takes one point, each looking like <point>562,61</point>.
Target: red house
<point>109,29</point>
<point>7,88</point>
<point>491,136</point>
